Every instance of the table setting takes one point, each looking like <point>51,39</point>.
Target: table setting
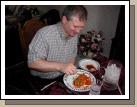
<point>96,76</point>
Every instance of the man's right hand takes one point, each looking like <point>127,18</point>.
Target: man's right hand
<point>67,68</point>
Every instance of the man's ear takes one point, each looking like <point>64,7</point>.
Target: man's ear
<point>64,19</point>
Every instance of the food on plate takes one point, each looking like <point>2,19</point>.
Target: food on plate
<point>82,80</point>
<point>90,67</point>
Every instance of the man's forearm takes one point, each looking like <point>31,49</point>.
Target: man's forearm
<point>44,66</point>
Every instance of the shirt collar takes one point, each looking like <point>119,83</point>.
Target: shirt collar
<point>61,33</point>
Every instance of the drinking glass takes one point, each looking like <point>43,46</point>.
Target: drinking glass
<point>96,88</point>
<point>112,74</point>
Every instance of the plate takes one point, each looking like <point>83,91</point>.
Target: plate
<point>68,81</point>
<point>82,64</point>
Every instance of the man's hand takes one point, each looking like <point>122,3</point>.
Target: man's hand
<point>68,68</point>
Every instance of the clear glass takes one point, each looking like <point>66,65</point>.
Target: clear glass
<point>96,88</point>
<point>112,74</point>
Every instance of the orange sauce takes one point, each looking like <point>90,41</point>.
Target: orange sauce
<point>90,67</point>
<point>82,80</point>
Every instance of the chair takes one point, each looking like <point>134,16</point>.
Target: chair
<point>26,34</point>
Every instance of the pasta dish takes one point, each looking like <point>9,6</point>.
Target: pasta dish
<point>82,80</point>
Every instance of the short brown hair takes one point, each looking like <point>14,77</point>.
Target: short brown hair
<point>75,10</point>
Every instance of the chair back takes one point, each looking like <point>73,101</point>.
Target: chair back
<point>27,33</point>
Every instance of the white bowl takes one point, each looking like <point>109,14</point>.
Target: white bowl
<point>84,62</point>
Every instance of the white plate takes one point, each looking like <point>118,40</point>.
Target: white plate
<point>82,64</point>
<point>68,81</point>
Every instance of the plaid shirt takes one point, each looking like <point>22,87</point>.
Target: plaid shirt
<point>50,44</point>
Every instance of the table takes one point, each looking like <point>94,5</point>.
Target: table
<point>55,89</point>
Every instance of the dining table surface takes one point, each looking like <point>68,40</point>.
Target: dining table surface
<point>57,89</point>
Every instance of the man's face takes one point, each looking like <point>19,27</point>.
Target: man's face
<point>73,26</point>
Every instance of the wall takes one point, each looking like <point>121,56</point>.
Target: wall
<point>100,18</point>
<point>103,18</point>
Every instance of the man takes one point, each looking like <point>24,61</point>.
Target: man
<point>53,49</point>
